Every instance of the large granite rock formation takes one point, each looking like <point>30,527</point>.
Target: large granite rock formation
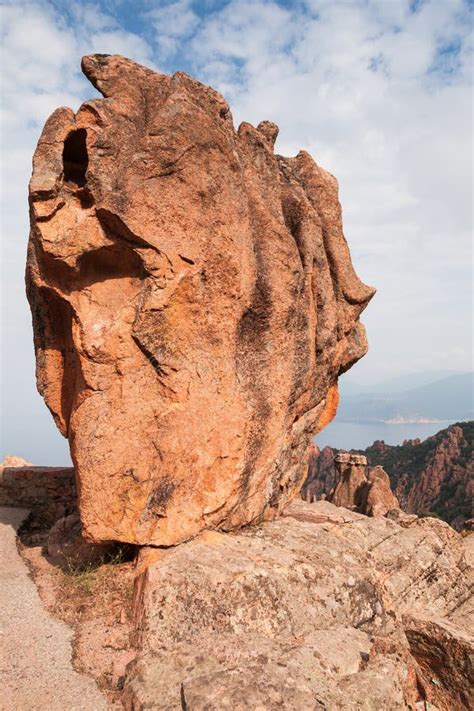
<point>322,609</point>
<point>193,304</point>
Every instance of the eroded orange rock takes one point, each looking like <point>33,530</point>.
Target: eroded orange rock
<point>193,304</point>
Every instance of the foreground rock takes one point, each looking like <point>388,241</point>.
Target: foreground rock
<point>322,609</point>
<point>193,304</point>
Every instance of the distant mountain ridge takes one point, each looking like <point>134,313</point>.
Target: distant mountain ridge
<point>434,475</point>
<point>447,399</point>
<point>399,383</point>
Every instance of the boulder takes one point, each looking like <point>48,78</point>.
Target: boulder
<point>322,609</point>
<point>367,493</point>
<point>193,304</point>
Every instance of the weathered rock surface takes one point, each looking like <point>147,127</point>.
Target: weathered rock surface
<point>193,304</point>
<point>322,609</point>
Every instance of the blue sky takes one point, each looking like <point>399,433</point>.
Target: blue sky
<point>380,94</point>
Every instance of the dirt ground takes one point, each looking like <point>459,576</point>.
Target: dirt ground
<point>95,600</point>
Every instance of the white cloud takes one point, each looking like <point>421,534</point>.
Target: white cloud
<point>380,96</point>
<point>89,18</point>
<point>118,42</point>
<point>246,30</point>
<point>173,22</point>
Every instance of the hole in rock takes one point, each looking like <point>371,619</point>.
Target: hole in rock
<point>75,158</point>
<point>85,198</point>
<point>114,262</point>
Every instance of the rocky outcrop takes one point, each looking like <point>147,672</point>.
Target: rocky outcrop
<point>11,460</point>
<point>446,479</point>
<point>378,498</point>
<point>367,492</point>
<point>321,475</point>
<point>434,475</point>
<point>352,480</point>
<point>193,304</point>
<point>321,609</point>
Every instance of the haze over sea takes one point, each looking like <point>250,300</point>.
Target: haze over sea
<point>415,405</point>
<point>356,435</point>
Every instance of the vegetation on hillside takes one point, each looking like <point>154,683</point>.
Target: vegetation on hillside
<point>406,463</point>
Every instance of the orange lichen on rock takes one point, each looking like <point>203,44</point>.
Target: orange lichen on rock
<point>193,304</point>
<point>330,408</point>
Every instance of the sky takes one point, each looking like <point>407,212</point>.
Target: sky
<point>379,92</point>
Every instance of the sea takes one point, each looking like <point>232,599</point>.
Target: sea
<point>355,435</point>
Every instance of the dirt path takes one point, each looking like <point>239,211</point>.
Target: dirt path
<point>36,672</point>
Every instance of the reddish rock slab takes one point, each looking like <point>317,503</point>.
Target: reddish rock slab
<point>193,304</point>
